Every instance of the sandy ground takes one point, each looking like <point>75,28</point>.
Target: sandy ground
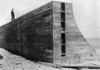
<point>15,62</point>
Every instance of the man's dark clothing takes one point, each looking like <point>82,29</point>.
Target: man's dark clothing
<point>12,15</point>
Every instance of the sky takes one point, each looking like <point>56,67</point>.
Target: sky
<point>86,13</point>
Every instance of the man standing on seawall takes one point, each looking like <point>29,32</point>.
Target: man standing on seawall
<point>12,15</point>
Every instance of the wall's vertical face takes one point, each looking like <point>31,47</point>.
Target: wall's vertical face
<point>76,48</point>
<point>11,40</point>
<point>56,32</point>
<point>42,40</point>
<point>35,34</point>
<point>2,37</point>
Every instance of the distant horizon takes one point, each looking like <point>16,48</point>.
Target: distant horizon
<point>94,38</point>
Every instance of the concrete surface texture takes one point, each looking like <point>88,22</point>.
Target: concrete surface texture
<point>38,34</point>
<point>78,50</point>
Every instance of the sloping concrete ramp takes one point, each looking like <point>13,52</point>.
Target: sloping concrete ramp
<point>76,42</point>
<point>77,48</point>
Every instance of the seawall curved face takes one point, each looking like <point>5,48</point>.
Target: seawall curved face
<point>76,47</point>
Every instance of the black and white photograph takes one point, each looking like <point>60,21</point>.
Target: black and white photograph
<point>49,34</point>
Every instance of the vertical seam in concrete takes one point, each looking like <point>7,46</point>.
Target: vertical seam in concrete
<point>52,35</point>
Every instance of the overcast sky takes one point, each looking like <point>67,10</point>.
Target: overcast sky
<point>86,12</point>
